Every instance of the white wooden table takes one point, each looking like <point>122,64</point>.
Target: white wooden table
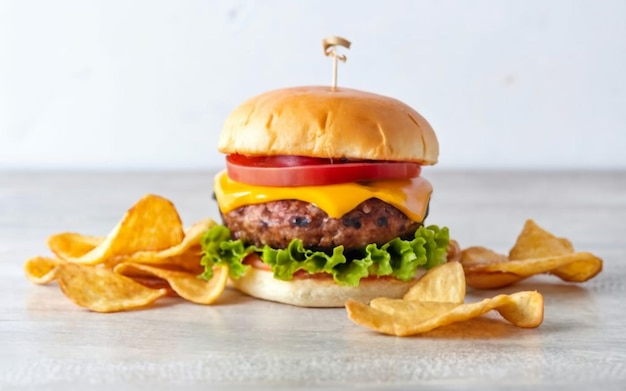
<point>47,342</point>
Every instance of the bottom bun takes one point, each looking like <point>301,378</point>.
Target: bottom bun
<point>318,292</point>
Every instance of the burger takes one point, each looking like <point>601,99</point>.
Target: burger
<point>322,198</point>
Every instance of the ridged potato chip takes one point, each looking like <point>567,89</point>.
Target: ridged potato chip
<point>100,289</point>
<point>522,309</point>
<point>154,256</point>
<point>536,251</point>
<point>185,284</point>
<point>41,270</point>
<point>189,260</point>
<point>186,254</point>
<point>443,285</point>
<point>189,245</point>
<point>410,315</point>
<point>152,224</point>
<point>536,242</point>
<point>69,245</point>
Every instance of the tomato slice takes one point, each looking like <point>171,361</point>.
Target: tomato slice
<point>288,171</point>
<point>255,261</point>
<point>279,160</point>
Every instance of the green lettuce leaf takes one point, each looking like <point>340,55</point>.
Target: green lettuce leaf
<point>219,249</point>
<point>398,258</point>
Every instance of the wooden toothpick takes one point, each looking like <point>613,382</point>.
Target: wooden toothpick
<point>329,44</point>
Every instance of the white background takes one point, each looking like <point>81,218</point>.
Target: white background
<point>147,84</point>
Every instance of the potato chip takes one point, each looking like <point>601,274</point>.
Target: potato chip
<point>100,289</point>
<point>189,260</point>
<point>186,254</point>
<point>490,280</point>
<point>185,284</point>
<point>72,245</point>
<point>535,242</point>
<point>454,251</point>
<point>579,267</point>
<point>41,270</point>
<point>444,283</point>
<point>481,256</point>
<point>190,242</point>
<point>522,309</point>
<point>536,251</point>
<point>152,224</point>
<point>420,310</point>
<point>155,283</point>
<point>475,259</point>
<point>527,267</point>
<point>148,245</point>
<point>405,317</point>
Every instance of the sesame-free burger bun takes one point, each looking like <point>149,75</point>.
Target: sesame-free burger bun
<point>329,123</point>
<point>317,292</point>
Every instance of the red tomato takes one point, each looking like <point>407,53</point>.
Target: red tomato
<point>276,161</point>
<point>289,171</point>
<point>255,261</point>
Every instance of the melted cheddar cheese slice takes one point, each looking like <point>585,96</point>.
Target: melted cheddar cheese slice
<point>410,196</point>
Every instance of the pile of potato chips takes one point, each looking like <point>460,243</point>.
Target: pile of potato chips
<point>536,251</point>
<point>147,256</point>
<point>437,299</point>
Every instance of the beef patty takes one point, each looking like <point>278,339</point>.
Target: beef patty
<point>276,223</point>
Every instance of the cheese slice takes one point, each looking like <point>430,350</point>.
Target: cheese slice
<point>410,196</point>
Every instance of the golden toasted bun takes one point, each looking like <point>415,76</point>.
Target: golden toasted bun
<point>327,123</point>
<point>317,292</point>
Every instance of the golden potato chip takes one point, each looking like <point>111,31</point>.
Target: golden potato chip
<point>152,224</point>
<point>404,317</point>
<point>476,259</point>
<point>421,310</point>
<point>454,251</point>
<point>444,283</point>
<point>149,245</point>
<point>580,267</point>
<point>189,244</point>
<point>528,267</point>
<point>72,245</point>
<point>41,270</point>
<point>155,283</point>
<point>100,289</point>
<point>535,242</point>
<point>189,260</point>
<point>522,309</point>
<point>480,256</point>
<point>536,251</point>
<point>185,284</point>
<point>490,280</point>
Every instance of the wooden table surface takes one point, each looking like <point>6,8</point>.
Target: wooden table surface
<point>47,342</point>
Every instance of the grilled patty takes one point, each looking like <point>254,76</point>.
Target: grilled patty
<point>276,223</point>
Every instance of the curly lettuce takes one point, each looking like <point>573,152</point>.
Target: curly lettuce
<point>398,258</point>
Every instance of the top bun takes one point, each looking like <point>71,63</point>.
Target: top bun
<point>329,123</point>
